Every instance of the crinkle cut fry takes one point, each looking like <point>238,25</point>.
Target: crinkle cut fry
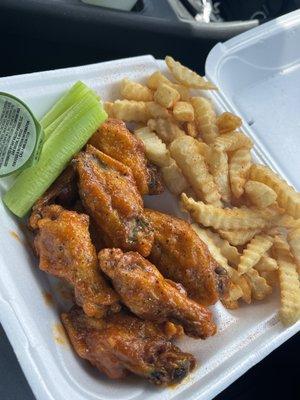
<point>239,165</point>
<point>239,287</point>
<point>205,119</point>
<point>288,282</point>
<point>185,152</point>
<point>258,246</point>
<point>287,197</point>
<point>220,218</point>
<point>238,237</point>
<point>294,242</point>
<point>186,76</point>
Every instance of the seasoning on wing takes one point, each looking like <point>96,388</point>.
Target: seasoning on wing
<point>110,196</point>
<point>180,255</point>
<point>65,250</point>
<point>121,343</point>
<point>115,140</point>
<point>149,296</point>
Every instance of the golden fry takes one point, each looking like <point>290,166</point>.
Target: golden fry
<point>228,122</point>
<point>239,166</point>
<point>205,119</point>
<point>131,110</point>
<point>131,90</point>
<point>203,149</point>
<point>289,290</point>
<point>220,218</point>
<point>218,167</point>
<point>156,110</point>
<point>187,77</point>
<point>287,197</point>
<point>240,285</point>
<point>166,129</point>
<point>190,129</point>
<point>157,78</point>
<point>230,301</point>
<point>156,150</point>
<point>238,237</point>
<point>109,108</point>
<point>259,194</point>
<point>259,286</point>
<point>166,96</point>
<point>233,141</point>
<point>185,152</point>
<point>258,246</point>
<point>294,242</point>
<point>266,264</point>
<point>183,111</point>
<point>174,178</point>
<point>271,277</point>
<point>230,252</point>
<point>158,153</point>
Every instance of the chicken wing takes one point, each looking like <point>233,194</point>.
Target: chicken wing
<point>110,196</point>
<point>120,343</point>
<point>149,296</point>
<point>180,255</point>
<point>115,140</point>
<point>65,250</point>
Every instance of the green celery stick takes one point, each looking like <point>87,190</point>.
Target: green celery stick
<point>77,91</point>
<point>65,141</point>
<point>50,128</point>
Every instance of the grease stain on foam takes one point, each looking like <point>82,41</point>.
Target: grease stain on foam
<point>48,298</point>
<point>59,334</point>
<point>188,380</point>
<point>64,291</point>
<point>16,236</point>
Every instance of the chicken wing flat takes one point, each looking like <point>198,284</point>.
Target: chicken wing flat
<point>180,255</point>
<point>115,140</point>
<point>110,196</point>
<point>149,296</point>
<point>65,250</point>
<point>120,343</point>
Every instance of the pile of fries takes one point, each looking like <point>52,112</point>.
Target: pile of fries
<point>246,214</point>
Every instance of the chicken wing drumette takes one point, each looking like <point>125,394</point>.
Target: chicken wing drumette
<point>120,343</point>
<point>180,255</point>
<point>110,196</point>
<point>65,250</point>
<point>115,140</point>
<point>149,296</point>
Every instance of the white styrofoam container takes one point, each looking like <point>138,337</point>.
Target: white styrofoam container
<point>258,76</point>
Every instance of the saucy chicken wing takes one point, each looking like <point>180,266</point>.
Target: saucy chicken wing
<point>120,343</point>
<point>110,196</point>
<point>115,140</point>
<point>65,250</point>
<point>180,255</point>
<point>149,296</point>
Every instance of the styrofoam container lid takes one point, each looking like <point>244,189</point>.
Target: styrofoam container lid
<point>258,74</point>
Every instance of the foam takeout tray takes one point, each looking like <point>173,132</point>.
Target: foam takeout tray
<point>258,74</point>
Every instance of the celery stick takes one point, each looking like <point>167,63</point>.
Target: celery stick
<point>50,128</point>
<point>65,141</point>
<point>77,91</point>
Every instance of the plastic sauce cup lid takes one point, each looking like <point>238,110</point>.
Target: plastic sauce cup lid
<point>21,135</point>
